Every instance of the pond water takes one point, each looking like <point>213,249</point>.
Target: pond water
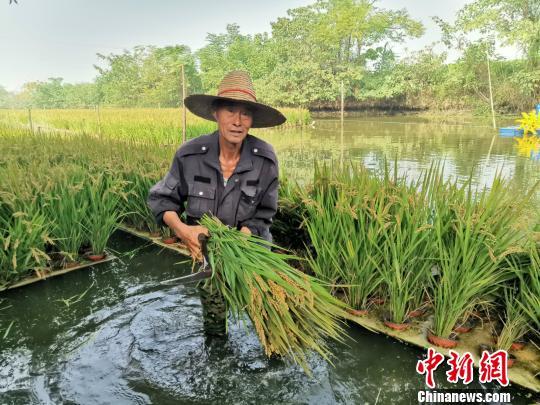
<point>131,340</point>
<point>466,145</point>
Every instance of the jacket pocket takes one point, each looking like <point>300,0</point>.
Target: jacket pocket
<point>200,199</point>
<point>170,183</point>
<point>164,187</point>
<point>247,206</point>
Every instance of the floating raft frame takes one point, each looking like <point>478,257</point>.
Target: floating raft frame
<point>48,273</point>
<point>177,247</point>
<point>522,373</point>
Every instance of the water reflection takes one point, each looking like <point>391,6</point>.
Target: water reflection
<point>465,147</point>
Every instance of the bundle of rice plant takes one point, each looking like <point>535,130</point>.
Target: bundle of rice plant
<point>292,312</point>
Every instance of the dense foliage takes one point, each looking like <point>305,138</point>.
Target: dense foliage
<point>313,49</point>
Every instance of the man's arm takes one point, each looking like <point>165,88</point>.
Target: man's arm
<point>166,200</point>
<point>168,194</point>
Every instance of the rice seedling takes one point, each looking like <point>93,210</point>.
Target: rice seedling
<point>291,311</point>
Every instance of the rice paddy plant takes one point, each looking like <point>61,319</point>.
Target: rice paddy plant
<point>515,322</point>
<point>361,255</point>
<point>166,232</point>
<point>22,251</point>
<point>103,195</point>
<point>134,209</point>
<point>66,207</point>
<point>152,125</point>
<point>529,284</point>
<point>473,234</point>
<point>51,173</point>
<point>406,251</point>
<point>343,233</point>
<point>291,311</point>
<point>287,228</point>
<point>322,223</point>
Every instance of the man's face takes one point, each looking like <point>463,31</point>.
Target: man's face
<point>234,121</point>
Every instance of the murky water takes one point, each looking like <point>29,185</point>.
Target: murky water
<point>130,340</point>
<point>467,146</point>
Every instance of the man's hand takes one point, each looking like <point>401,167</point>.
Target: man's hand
<point>190,236</point>
<point>245,230</point>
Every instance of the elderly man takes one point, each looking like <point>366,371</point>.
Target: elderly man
<point>229,174</point>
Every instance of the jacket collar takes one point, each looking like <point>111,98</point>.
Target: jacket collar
<point>212,157</point>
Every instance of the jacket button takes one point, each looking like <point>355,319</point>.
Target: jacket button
<point>255,150</point>
<point>201,193</point>
<point>203,147</point>
<point>236,180</point>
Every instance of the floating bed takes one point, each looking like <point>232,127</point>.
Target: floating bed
<point>522,373</point>
<point>513,131</point>
<point>178,247</point>
<point>48,273</point>
<point>525,371</point>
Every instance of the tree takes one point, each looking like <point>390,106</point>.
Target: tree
<point>514,22</point>
<point>233,51</point>
<point>49,94</point>
<point>5,97</point>
<point>498,22</point>
<point>146,76</point>
<point>119,83</point>
<point>81,95</point>
<point>336,39</point>
<point>161,75</point>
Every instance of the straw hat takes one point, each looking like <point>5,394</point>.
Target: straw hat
<point>235,86</point>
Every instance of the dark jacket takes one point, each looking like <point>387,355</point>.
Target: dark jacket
<point>249,199</point>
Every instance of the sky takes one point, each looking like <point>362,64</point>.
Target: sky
<point>60,38</point>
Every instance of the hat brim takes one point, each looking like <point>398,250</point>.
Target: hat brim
<point>263,116</point>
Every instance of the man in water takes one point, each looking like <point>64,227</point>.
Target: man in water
<point>229,174</point>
